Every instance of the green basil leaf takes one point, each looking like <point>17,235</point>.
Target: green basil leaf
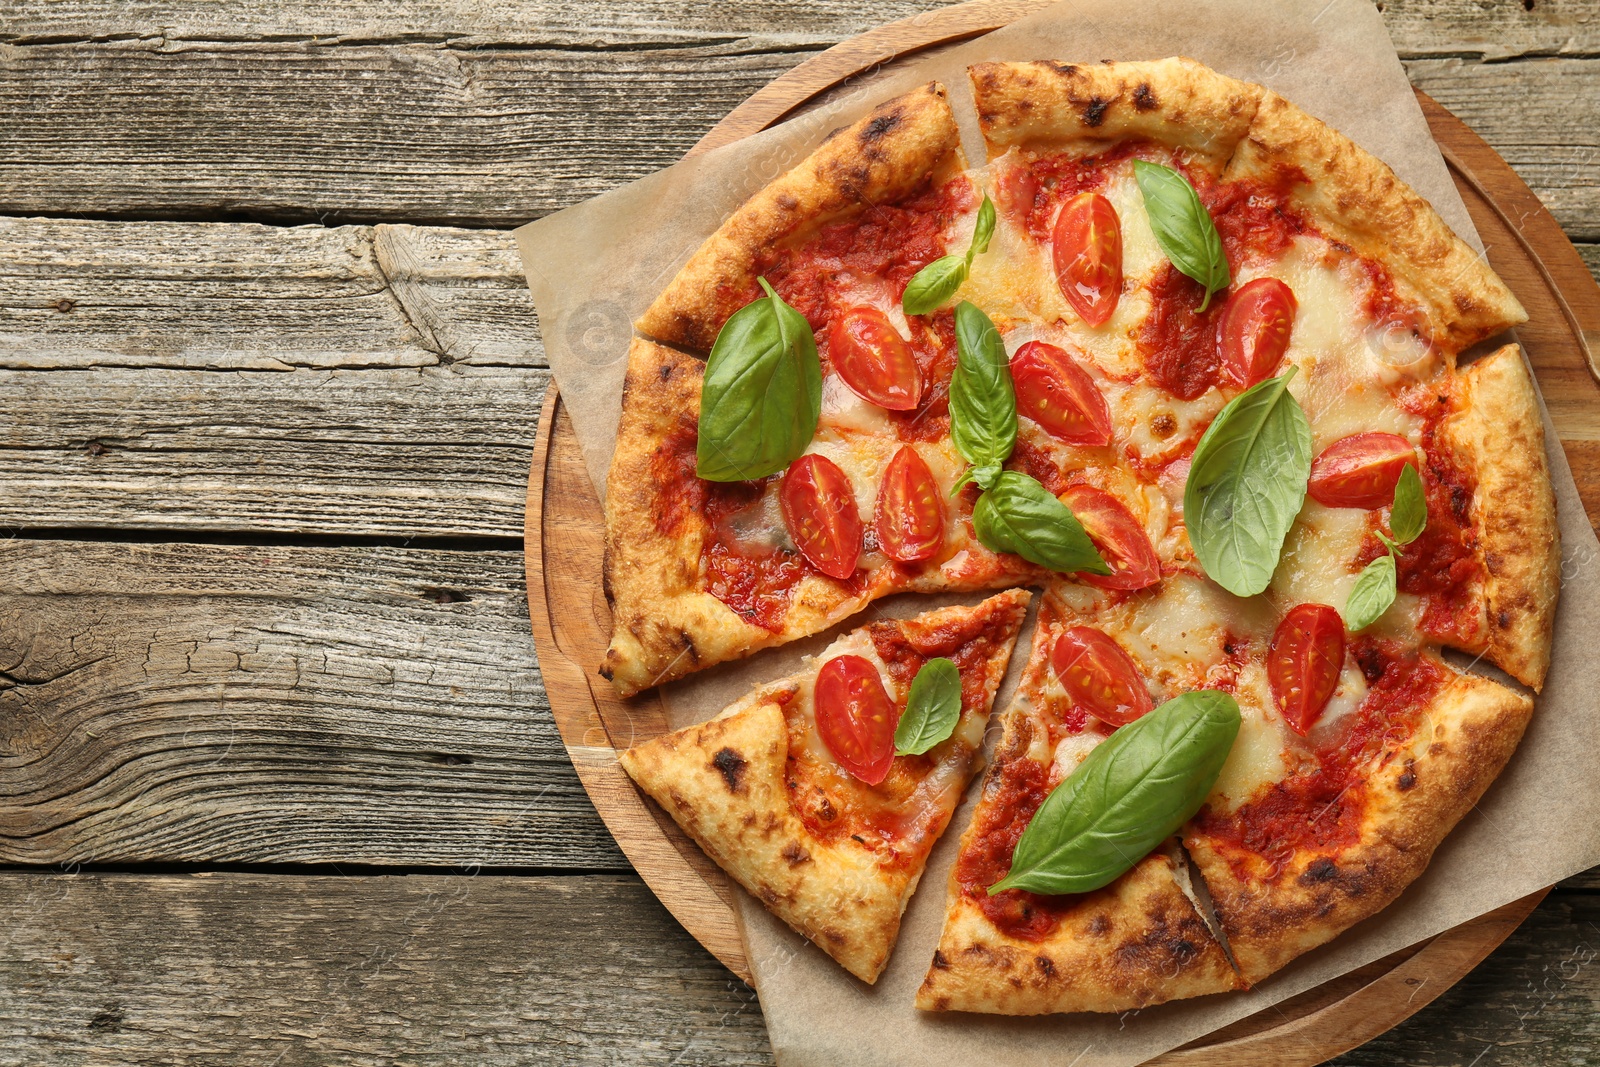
<point>983,405</point>
<point>762,393</point>
<point>1246,485</point>
<point>983,230</point>
<point>933,707</point>
<point>1130,794</point>
<point>934,284</point>
<point>1182,226</point>
<point>1372,594</point>
<point>1018,515</point>
<point>1409,516</point>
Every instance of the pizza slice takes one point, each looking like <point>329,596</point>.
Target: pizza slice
<point>1139,941</point>
<point>806,795</point>
<point>700,571</point>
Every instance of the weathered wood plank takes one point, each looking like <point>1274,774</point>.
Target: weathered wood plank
<point>241,968</point>
<point>260,969</point>
<point>309,129</point>
<point>231,296</point>
<point>429,451</point>
<point>172,702</point>
<point>461,23</point>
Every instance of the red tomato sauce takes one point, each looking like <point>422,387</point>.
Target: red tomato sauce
<point>933,343</point>
<point>1320,809</point>
<point>1177,340</point>
<point>1037,464</point>
<point>1010,799</point>
<point>1057,177</point>
<point>891,241</point>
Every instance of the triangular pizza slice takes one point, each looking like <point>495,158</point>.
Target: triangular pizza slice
<point>1139,941</point>
<point>798,790</point>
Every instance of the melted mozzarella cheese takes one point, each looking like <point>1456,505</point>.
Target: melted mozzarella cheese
<point>1180,634</point>
<point>1257,757</point>
<point>1073,750</point>
<point>1318,561</point>
<point>1154,424</point>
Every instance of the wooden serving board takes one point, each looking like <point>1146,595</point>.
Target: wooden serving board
<point>572,621</point>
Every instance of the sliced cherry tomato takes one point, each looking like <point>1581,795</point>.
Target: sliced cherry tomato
<point>1304,662</point>
<point>1059,395</point>
<point>819,508</point>
<point>874,360</point>
<point>1099,676</point>
<point>1360,471</point>
<point>910,509</point>
<point>1087,247</point>
<point>856,718</point>
<point>1122,542</point>
<point>1255,328</point>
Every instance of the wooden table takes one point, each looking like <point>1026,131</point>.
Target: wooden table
<point>280,783</point>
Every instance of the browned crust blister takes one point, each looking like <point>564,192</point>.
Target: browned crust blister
<point>1498,436</point>
<point>896,150</point>
<point>1414,798</point>
<point>724,782</point>
<point>1239,130</point>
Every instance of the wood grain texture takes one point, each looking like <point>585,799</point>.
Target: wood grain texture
<point>471,113</point>
<point>251,968</point>
<point>296,971</point>
<point>164,702</point>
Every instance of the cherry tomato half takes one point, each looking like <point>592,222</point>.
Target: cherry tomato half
<point>1087,248</point>
<point>1303,664</point>
<point>856,718</point>
<point>1099,676</point>
<point>1255,328</point>
<point>874,360</point>
<point>1360,471</point>
<point>1117,534</point>
<point>910,520</point>
<point>1059,395</point>
<point>819,508</point>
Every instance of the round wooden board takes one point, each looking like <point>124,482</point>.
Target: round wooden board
<point>572,623</point>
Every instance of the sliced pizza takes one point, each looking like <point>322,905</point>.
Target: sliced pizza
<point>810,797</point>
<point>1139,941</point>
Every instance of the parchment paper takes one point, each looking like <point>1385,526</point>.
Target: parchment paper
<point>593,268</point>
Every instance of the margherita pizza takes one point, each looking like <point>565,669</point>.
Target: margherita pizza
<point>1198,366</point>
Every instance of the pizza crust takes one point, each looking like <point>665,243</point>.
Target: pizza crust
<point>1498,435</point>
<point>664,623</point>
<point>1135,943</point>
<point>897,149</point>
<point>1047,106</point>
<point>1238,131</point>
<point>1415,798</point>
<point>724,781</point>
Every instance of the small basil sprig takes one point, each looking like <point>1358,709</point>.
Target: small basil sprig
<point>933,707</point>
<point>1131,793</point>
<point>1246,485</point>
<point>939,280</point>
<point>1183,226</point>
<point>1016,514</point>
<point>1378,584</point>
<point>983,402</point>
<point>762,393</point>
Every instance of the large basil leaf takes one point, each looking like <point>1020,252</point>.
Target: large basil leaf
<point>1183,226</point>
<point>983,404</point>
<point>1016,514</point>
<point>933,707</point>
<point>939,280</point>
<point>1409,516</point>
<point>1246,485</point>
<point>762,393</point>
<point>1130,794</point>
<point>1372,594</point>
